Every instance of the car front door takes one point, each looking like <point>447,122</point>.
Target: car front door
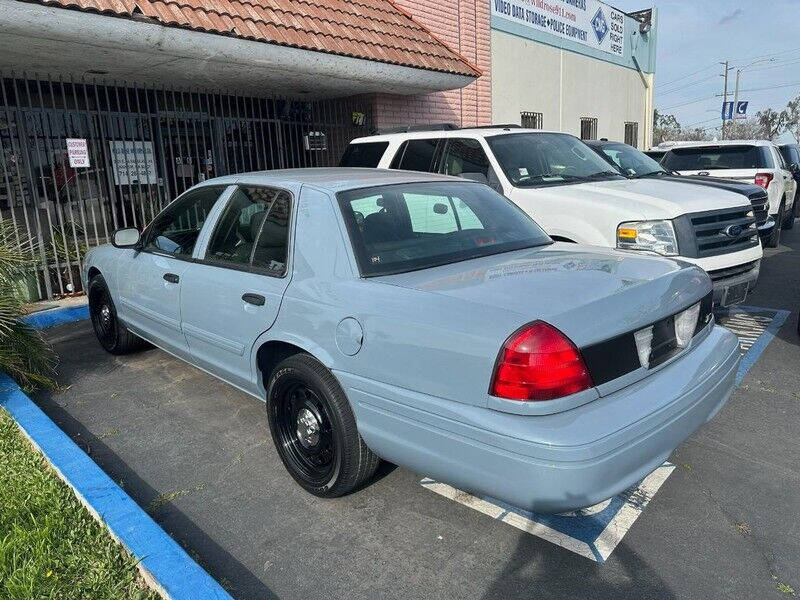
<point>232,292</point>
<point>150,282</point>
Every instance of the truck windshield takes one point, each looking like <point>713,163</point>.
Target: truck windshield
<point>406,227</point>
<point>546,159</point>
<point>711,158</point>
<point>630,161</point>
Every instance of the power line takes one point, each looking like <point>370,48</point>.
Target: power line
<point>683,87</point>
<point>712,66</point>
<point>691,102</point>
<point>770,87</point>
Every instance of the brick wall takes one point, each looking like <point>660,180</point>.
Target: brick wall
<point>464,26</point>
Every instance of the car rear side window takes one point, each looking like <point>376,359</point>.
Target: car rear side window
<point>253,230</point>
<point>363,155</point>
<point>416,155</point>
<point>718,157</point>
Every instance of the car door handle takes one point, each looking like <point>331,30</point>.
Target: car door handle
<point>256,299</point>
<point>171,278</point>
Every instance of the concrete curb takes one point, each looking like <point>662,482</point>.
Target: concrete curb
<point>164,564</point>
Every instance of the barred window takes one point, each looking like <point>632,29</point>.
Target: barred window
<point>588,128</point>
<point>532,120</point>
<point>632,134</point>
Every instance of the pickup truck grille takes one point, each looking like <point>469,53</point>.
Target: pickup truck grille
<point>716,232</point>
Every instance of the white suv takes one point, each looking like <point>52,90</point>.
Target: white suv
<point>576,196</point>
<point>757,161</point>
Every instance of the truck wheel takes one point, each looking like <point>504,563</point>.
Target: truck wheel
<point>790,215</point>
<point>110,331</point>
<point>775,238</point>
<point>314,429</point>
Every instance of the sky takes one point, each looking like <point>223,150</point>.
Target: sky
<point>695,35</point>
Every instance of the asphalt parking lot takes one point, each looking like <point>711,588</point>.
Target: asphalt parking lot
<point>195,453</point>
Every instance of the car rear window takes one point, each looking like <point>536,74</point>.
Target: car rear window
<point>405,227</point>
<point>717,157</point>
<point>363,155</point>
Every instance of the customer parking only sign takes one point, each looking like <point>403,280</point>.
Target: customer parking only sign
<point>587,22</point>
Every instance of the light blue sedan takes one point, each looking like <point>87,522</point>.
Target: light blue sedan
<point>424,320</point>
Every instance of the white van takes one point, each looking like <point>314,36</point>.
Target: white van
<point>576,196</point>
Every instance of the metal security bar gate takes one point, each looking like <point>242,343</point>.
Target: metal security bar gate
<point>81,158</point>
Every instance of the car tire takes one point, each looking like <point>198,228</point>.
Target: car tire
<point>790,216</point>
<point>112,334</point>
<point>775,237</point>
<point>314,429</point>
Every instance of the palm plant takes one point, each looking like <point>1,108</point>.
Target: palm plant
<point>24,354</point>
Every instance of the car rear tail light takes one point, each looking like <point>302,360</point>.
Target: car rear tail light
<point>538,362</point>
<point>763,179</point>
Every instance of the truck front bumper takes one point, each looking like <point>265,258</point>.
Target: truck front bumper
<point>557,462</point>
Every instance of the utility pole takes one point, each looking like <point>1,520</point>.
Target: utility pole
<point>724,95</point>
<point>736,94</point>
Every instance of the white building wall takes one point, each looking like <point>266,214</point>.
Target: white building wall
<point>565,86</point>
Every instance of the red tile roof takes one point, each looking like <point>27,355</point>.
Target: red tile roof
<point>370,29</point>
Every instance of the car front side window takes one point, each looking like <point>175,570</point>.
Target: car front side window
<point>176,229</point>
<point>253,230</point>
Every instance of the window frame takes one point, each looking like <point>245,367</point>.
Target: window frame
<point>634,125</point>
<point>537,117</point>
<point>249,268</point>
<point>592,121</point>
<point>148,230</point>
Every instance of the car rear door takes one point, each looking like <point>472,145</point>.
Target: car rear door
<point>233,291</point>
<point>150,282</point>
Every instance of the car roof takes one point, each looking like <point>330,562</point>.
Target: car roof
<point>333,179</point>
<point>713,143</point>
<point>476,132</point>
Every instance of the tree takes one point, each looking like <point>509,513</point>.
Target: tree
<point>791,117</point>
<point>745,129</point>
<point>665,128</point>
<point>24,355</point>
<point>772,123</point>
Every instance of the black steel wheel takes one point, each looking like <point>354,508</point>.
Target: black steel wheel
<point>113,336</point>
<point>305,433</point>
<point>314,429</point>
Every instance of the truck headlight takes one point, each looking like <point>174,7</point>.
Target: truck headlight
<point>653,236</point>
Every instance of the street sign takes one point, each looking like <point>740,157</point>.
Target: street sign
<point>728,114</point>
<point>78,152</point>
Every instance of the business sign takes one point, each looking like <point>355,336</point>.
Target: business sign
<point>78,152</point>
<point>728,113</point>
<point>587,22</point>
<point>133,162</point>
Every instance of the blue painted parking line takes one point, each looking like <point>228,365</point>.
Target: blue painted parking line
<point>165,565</point>
<point>594,532</point>
<point>57,316</point>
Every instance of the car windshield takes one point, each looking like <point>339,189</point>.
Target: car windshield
<point>712,158</point>
<point>546,159</point>
<point>630,161</point>
<point>406,227</point>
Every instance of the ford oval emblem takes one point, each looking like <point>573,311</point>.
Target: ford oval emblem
<point>733,231</point>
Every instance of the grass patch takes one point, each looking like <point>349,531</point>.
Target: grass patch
<point>50,546</point>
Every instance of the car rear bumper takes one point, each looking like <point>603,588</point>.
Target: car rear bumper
<point>550,463</point>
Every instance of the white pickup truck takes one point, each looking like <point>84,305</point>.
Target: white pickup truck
<point>577,197</point>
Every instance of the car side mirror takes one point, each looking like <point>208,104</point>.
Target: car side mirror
<point>440,209</point>
<point>125,238</point>
<point>794,168</point>
<point>477,177</point>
